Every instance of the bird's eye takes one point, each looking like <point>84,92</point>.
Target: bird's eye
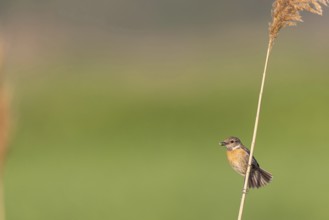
<point>232,141</point>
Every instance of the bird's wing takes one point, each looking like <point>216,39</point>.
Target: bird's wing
<point>254,161</point>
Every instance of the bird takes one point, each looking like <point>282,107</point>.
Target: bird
<point>238,157</point>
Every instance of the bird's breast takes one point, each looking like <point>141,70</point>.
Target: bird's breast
<point>238,159</point>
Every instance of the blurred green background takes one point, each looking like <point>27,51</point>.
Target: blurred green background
<point>119,107</point>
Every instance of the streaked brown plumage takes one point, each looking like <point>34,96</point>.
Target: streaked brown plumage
<point>238,156</point>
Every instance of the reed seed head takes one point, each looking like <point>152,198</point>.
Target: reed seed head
<point>286,13</point>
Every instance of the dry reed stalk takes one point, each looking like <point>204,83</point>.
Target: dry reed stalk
<point>284,13</point>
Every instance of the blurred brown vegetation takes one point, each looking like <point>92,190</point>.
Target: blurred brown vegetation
<point>3,109</point>
<point>3,129</point>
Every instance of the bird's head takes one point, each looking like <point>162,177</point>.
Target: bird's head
<point>230,142</point>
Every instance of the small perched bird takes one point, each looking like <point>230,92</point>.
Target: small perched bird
<point>238,156</point>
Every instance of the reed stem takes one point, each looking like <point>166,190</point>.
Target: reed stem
<point>245,186</point>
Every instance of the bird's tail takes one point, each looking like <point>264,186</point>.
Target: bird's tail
<point>258,178</point>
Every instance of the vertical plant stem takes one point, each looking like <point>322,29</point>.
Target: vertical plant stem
<point>2,205</point>
<point>3,132</point>
<point>245,186</point>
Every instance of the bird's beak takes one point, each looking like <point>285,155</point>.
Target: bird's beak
<point>223,143</point>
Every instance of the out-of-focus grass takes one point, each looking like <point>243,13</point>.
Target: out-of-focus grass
<point>141,142</point>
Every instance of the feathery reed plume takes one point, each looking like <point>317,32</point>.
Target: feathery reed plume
<point>284,13</point>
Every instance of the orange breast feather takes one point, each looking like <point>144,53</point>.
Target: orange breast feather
<point>238,159</point>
